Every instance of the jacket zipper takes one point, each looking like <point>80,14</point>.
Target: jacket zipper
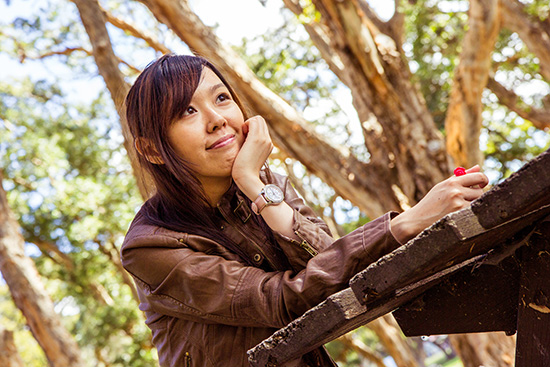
<point>187,359</point>
<point>241,233</point>
<point>306,246</point>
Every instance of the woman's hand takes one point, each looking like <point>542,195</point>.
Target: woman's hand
<point>448,196</point>
<point>252,156</point>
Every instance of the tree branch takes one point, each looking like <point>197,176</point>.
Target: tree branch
<point>61,258</point>
<point>533,32</point>
<point>66,52</point>
<point>362,349</point>
<point>134,31</point>
<point>540,118</point>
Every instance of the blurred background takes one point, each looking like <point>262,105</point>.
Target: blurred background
<point>369,103</point>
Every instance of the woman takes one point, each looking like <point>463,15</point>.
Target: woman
<point>225,252</point>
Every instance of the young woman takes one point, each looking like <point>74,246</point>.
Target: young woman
<point>225,252</point>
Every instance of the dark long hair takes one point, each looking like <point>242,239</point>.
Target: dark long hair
<point>158,98</point>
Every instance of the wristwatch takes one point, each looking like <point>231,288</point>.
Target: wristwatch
<point>270,195</point>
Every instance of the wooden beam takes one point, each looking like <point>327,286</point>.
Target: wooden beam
<point>533,339</point>
<point>470,244</point>
<point>500,213</point>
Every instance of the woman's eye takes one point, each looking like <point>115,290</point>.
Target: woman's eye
<point>189,110</point>
<point>223,97</point>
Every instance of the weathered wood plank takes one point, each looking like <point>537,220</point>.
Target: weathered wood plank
<point>461,240</point>
<point>522,192</point>
<point>465,233</point>
<point>337,315</point>
<point>473,300</point>
<point>533,339</point>
<point>445,243</point>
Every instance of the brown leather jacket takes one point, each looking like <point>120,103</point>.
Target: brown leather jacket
<point>206,307</point>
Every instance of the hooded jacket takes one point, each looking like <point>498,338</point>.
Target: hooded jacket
<point>206,306</point>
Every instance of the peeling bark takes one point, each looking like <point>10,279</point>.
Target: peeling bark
<point>463,121</point>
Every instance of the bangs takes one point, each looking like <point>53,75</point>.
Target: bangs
<point>179,79</point>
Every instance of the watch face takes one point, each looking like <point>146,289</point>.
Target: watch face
<point>273,194</point>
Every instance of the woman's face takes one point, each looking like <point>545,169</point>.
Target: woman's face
<point>209,135</point>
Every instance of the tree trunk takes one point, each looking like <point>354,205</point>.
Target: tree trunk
<point>8,352</point>
<point>463,120</point>
<point>394,343</point>
<point>360,348</point>
<point>93,18</point>
<point>407,151</point>
<point>485,349</point>
<point>366,185</point>
<point>29,295</point>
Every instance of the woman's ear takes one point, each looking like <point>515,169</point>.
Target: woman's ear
<point>148,150</point>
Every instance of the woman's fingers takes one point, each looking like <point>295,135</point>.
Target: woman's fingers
<point>452,194</point>
<point>472,193</point>
<point>475,168</point>
<point>257,134</point>
<point>255,149</point>
<point>473,179</point>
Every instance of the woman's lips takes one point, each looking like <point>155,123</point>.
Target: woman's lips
<point>221,142</point>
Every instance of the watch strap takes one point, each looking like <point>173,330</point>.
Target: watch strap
<point>259,204</point>
<point>269,195</point>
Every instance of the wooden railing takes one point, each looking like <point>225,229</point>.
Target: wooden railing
<point>484,268</point>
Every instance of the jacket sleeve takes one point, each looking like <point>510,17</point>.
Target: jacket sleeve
<point>313,233</point>
<point>181,282</point>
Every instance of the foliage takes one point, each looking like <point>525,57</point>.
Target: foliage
<point>71,186</point>
<point>70,183</point>
<point>510,140</point>
<point>434,31</point>
<point>433,34</point>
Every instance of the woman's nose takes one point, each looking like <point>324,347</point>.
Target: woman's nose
<point>215,120</point>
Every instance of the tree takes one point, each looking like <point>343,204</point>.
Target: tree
<point>417,86</point>
<point>28,294</point>
<point>8,350</point>
<point>74,194</point>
